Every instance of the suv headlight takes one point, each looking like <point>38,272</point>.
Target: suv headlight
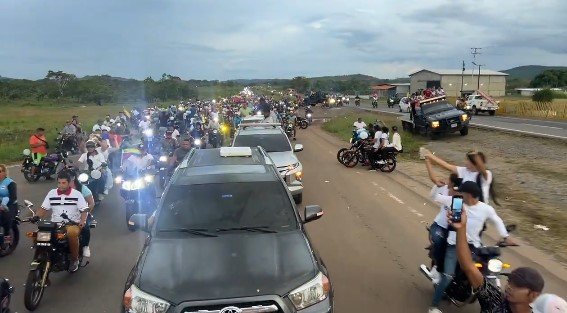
<point>495,265</point>
<point>43,236</point>
<point>137,301</point>
<point>291,167</point>
<point>312,292</point>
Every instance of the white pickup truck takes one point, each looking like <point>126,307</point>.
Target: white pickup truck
<point>480,102</point>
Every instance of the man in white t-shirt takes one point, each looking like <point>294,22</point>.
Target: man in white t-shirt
<point>359,123</point>
<point>66,200</point>
<point>99,126</point>
<point>140,162</point>
<point>144,124</point>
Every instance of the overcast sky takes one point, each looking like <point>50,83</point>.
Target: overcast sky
<point>227,39</point>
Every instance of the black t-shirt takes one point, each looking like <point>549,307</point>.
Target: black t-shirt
<point>180,153</point>
<point>491,299</point>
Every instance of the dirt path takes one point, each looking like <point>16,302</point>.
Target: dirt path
<point>530,175</point>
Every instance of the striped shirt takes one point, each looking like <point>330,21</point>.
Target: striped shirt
<point>71,203</point>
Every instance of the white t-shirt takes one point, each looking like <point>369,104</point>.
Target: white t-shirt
<point>141,163</point>
<point>105,153</point>
<point>99,127</point>
<point>441,218</point>
<point>97,159</point>
<point>396,141</point>
<point>385,139</point>
<point>144,125</point>
<point>477,215</point>
<point>175,134</point>
<point>467,175</point>
<point>377,136</point>
<point>358,124</point>
<point>72,204</point>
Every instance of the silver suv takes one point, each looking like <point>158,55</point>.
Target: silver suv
<point>276,143</point>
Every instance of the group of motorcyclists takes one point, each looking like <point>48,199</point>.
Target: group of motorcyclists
<point>188,124</point>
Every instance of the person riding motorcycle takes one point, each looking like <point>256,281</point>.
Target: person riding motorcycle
<point>9,203</point>
<point>139,162</point>
<point>94,160</point>
<point>291,118</point>
<point>88,195</point>
<point>197,132</point>
<point>180,153</point>
<point>169,143</point>
<point>66,200</point>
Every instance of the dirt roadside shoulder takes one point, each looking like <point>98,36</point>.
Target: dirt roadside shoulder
<point>528,175</point>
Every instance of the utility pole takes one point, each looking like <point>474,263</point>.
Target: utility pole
<point>475,52</point>
<point>462,78</point>
<point>478,82</point>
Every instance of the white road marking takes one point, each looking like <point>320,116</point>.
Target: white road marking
<point>543,126</point>
<point>395,198</point>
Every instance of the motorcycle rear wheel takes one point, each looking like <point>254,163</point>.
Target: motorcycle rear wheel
<point>389,166</point>
<point>33,294</point>
<point>28,176</point>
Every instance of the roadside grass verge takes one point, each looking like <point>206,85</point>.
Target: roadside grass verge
<point>19,123</point>
<point>341,126</point>
<point>213,92</point>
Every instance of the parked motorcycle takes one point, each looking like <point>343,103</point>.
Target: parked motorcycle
<point>138,192</point>
<point>12,239</point>
<point>51,255</point>
<point>487,260</point>
<point>6,291</point>
<point>47,166</point>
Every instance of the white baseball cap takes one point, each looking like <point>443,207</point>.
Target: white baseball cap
<point>549,303</point>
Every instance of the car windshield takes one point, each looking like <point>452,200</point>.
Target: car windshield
<point>270,142</point>
<point>228,205</point>
<point>436,108</point>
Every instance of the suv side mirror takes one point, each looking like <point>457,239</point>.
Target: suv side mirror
<point>312,213</point>
<point>298,147</point>
<point>139,221</point>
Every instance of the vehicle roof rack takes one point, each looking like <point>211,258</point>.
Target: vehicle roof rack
<point>259,125</point>
<point>432,100</point>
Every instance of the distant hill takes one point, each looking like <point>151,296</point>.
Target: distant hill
<point>5,78</point>
<point>358,77</point>
<point>529,72</point>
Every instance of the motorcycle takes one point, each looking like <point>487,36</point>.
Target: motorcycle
<point>68,143</point>
<point>357,102</point>
<point>6,291</point>
<point>289,129</point>
<point>214,138</point>
<point>391,102</point>
<point>92,178</point>
<point>487,260</point>
<point>302,122</point>
<point>375,103</point>
<point>11,240</point>
<point>151,143</point>
<point>51,255</point>
<point>138,192</point>
<point>164,170</point>
<point>47,166</point>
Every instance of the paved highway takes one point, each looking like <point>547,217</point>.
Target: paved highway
<point>371,237</point>
<point>545,128</point>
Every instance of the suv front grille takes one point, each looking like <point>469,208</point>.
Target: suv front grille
<point>246,307</point>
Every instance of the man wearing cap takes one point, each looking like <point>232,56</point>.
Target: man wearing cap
<point>479,213</point>
<point>525,284</point>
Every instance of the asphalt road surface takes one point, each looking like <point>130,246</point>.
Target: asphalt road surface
<point>545,128</point>
<point>372,238</point>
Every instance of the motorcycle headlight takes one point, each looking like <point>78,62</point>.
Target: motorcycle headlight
<point>308,114</point>
<point>495,265</point>
<point>216,119</point>
<point>149,132</point>
<point>118,180</point>
<point>163,158</point>
<point>43,236</point>
<point>312,292</point>
<point>133,184</point>
<point>215,131</point>
<point>149,178</point>
<point>141,302</point>
<point>197,142</point>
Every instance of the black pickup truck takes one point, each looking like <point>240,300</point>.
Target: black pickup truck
<point>435,118</point>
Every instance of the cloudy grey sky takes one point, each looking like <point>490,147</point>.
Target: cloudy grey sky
<point>227,39</point>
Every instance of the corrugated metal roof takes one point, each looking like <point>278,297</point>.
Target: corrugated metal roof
<point>401,84</point>
<point>483,72</point>
<point>383,87</point>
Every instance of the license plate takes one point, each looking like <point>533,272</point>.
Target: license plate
<point>454,125</point>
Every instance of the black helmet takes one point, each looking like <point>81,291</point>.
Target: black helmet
<point>90,144</point>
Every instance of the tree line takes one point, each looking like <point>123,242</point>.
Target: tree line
<point>58,85</point>
<point>550,79</point>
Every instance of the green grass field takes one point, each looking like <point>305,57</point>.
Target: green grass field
<point>20,121</point>
<point>341,126</point>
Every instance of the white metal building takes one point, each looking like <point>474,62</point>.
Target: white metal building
<point>491,82</point>
<point>528,92</point>
<point>403,88</point>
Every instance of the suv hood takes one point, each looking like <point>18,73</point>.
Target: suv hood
<point>283,158</point>
<point>445,114</point>
<point>236,264</point>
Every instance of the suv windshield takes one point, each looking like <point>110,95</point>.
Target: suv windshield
<point>270,142</point>
<point>228,205</point>
<point>436,108</point>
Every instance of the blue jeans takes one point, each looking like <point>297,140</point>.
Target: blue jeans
<point>450,265</point>
<point>439,238</point>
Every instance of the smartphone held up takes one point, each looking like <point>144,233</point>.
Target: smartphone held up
<point>456,209</point>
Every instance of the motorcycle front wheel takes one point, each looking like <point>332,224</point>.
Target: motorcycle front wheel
<point>129,213</point>
<point>303,124</point>
<point>34,288</point>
